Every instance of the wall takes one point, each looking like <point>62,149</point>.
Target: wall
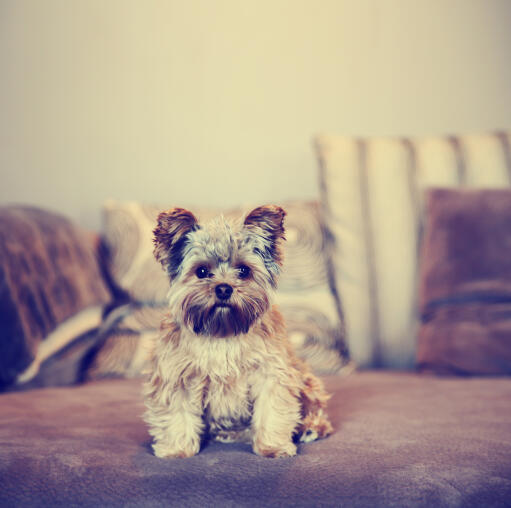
<point>216,101</point>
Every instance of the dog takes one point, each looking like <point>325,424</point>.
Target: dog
<point>222,366</point>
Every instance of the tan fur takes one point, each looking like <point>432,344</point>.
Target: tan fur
<point>232,385</point>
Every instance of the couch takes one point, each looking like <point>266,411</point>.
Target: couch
<point>400,440</point>
<point>420,392</point>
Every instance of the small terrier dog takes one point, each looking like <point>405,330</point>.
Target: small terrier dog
<point>223,367</point>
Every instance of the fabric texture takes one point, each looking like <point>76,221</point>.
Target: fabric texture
<point>465,288</point>
<point>309,307</point>
<point>372,197</point>
<point>400,439</point>
<point>51,288</point>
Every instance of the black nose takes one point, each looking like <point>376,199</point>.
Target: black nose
<point>223,291</point>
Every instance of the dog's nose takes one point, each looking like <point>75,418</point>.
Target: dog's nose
<point>223,291</point>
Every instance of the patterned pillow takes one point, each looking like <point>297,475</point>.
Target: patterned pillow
<point>372,197</point>
<point>51,289</point>
<point>304,296</point>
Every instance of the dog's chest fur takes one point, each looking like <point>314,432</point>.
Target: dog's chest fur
<point>228,405</point>
<point>230,372</point>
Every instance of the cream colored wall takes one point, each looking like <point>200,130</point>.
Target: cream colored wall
<point>215,101</point>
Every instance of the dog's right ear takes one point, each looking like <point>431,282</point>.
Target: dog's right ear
<point>170,237</point>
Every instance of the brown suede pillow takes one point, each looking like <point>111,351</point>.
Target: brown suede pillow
<point>465,283</point>
<point>51,289</point>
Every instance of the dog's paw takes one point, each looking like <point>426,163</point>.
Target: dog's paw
<point>275,452</point>
<point>233,436</point>
<point>226,437</point>
<point>164,451</point>
<point>308,436</point>
<point>315,427</point>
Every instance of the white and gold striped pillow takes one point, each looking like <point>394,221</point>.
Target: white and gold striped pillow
<point>372,202</point>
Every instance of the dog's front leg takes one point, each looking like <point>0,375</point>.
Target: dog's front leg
<point>175,420</point>
<point>275,417</point>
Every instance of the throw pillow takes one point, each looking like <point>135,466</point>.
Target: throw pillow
<point>465,283</point>
<point>51,289</point>
<point>309,307</point>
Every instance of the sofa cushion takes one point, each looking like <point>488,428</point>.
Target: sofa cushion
<point>51,288</point>
<point>465,284</point>
<point>310,308</point>
<point>372,197</point>
<point>400,440</point>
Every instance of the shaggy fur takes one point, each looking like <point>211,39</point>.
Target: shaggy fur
<point>222,366</point>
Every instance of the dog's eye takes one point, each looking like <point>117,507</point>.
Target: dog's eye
<point>244,271</point>
<point>202,272</point>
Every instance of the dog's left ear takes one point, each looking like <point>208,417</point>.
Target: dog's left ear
<point>170,237</point>
<point>268,223</point>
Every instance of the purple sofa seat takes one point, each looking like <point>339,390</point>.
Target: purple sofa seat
<point>400,440</point>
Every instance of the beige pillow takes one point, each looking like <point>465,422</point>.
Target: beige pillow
<point>372,200</point>
<point>310,308</point>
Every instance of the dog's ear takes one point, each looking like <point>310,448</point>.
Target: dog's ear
<point>170,237</point>
<point>267,222</point>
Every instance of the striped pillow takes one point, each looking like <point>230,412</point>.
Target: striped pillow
<point>372,197</point>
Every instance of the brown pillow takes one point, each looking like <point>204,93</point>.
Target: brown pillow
<point>465,283</point>
<point>51,288</point>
